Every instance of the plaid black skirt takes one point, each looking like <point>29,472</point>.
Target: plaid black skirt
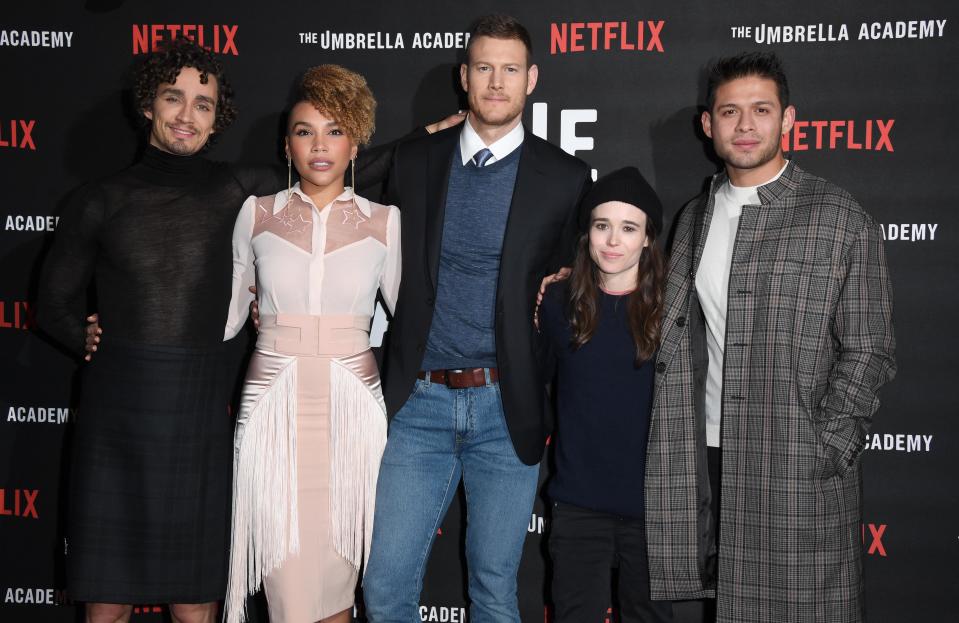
<point>151,471</point>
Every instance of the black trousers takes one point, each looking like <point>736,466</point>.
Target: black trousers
<point>714,457</point>
<point>585,545</point>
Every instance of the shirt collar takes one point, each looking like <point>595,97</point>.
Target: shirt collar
<point>347,195</point>
<point>470,143</point>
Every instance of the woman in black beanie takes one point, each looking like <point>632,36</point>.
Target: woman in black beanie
<point>602,329</point>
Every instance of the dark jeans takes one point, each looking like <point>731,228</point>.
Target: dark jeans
<point>585,545</point>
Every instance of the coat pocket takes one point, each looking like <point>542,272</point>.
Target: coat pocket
<point>801,306</point>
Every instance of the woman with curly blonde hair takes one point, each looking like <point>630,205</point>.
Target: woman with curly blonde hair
<point>312,422</point>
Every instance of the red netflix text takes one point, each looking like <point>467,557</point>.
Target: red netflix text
<point>870,135</point>
<point>872,534</point>
<point>639,36</point>
<point>220,38</point>
<point>17,134</point>
<point>16,315</point>
<point>147,610</point>
<point>19,503</point>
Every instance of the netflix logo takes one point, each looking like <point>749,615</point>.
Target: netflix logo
<point>148,610</point>
<point>638,36</point>
<point>872,534</point>
<point>219,38</point>
<point>19,503</point>
<point>16,314</point>
<point>17,134</point>
<point>868,135</point>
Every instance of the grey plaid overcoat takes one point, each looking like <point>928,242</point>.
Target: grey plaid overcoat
<point>809,341</point>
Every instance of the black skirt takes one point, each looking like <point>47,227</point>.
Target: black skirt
<point>149,511</point>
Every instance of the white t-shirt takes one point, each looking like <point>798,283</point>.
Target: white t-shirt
<point>712,284</point>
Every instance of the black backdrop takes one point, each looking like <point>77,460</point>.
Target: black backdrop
<point>874,84</point>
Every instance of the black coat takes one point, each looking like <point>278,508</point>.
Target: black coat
<point>540,235</point>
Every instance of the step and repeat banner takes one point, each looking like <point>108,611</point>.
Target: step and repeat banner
<point>621,83</point>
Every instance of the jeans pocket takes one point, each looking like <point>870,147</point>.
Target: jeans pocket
<point>417,384</point>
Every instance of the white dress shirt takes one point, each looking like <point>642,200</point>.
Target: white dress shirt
<point>314,266</point>
<point>470,143</point>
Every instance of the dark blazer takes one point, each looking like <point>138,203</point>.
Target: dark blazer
<point>540,235</point>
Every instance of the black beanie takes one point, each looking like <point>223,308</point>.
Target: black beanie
<point>629,186</point>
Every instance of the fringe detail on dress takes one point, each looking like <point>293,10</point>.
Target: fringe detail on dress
<point>265,526</point>
<point>357,439</point>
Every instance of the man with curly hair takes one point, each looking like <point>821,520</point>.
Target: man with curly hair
<point>151,473</point>
<point>150,485</point>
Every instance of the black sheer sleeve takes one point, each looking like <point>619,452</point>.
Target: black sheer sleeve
<point>373,163</point>
<point>68,270</point>
<point>259,180</point>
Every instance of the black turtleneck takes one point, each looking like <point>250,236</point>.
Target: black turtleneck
<point>156,238</point>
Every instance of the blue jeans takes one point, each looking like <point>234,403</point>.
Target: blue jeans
<point>440,435</point>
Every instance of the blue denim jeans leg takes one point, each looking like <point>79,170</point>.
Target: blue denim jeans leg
<point>439,436</point>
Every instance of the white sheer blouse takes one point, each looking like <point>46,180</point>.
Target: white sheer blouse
<point>316,261</point>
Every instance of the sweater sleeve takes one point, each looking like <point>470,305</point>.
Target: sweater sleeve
<point>260,180</point>
<point>69,268</point>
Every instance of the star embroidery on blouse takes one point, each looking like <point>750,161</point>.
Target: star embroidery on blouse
<point>287,218</point>
<point>299,227</point>
<point>353,217</point>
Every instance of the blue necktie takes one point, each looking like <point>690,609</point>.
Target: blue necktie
<point>482,156</point>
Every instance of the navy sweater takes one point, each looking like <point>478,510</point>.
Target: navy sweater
<point>478,199</point>
<point>603,403</point>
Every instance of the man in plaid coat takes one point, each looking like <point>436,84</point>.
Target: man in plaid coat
<point>777,335</point>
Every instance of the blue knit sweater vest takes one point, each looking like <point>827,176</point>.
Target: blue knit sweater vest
<point>477,206</point>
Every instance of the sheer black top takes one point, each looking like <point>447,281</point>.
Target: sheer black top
<point>156,238</point>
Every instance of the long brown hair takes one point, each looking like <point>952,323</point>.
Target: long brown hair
<point>644,305</point>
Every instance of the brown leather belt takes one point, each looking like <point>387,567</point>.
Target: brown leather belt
<point>459,379</point>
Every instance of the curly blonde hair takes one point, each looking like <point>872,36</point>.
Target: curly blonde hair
<point>341,95</point>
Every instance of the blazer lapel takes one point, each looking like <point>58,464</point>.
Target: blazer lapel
<point>522,218</point>
<point>439,159</point>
